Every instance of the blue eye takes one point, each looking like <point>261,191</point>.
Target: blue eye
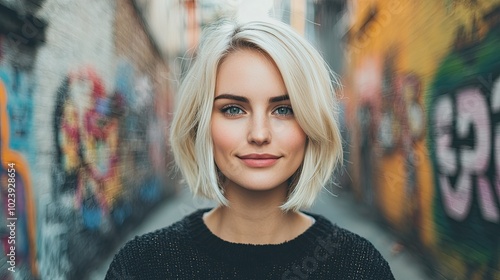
<point>284,110</point>
<point>232,110</point>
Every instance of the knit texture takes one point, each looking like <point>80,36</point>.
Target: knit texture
<point>189,250</point>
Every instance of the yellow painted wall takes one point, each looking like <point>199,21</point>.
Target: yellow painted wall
<point>395,50</point>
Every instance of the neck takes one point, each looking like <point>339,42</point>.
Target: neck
<point>254,217</point>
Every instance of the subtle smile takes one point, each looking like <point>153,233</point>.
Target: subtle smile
<point>259,160</point>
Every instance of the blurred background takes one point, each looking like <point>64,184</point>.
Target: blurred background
<point>87,90</point>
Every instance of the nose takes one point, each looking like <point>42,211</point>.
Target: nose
<point>259,132</point>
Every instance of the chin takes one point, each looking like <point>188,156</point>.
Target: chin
<point>261,186</point>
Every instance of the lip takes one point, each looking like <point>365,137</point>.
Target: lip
<point>259,160</point>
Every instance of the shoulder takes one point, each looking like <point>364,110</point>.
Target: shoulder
<point>341,239</point>
<point>357,246</point>
<point>357,256</point>
<point>362,258</point>
<point>333,238</point>
<point>155,241</point>
<point>148,253</point>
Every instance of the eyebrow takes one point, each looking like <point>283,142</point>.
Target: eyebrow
<point>245,100</point>
<point>279,98</point>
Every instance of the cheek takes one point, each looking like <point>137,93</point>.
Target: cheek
<point>224,136</point>
<point>296,139</point>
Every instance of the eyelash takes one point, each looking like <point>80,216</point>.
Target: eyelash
<point>226,109</point>
<point>286,107</point>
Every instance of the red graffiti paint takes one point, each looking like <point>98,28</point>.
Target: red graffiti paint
<point>89,135</point>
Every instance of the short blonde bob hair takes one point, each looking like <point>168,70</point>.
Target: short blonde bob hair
<point>310,85</point>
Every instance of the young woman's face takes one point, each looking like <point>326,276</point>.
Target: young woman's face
<point>258,144</point>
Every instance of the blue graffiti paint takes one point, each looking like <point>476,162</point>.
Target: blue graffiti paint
<point>20,89</point>
<point>91,213</point>
<point>124,83</point>
<point>121,212</point>
<point>150,191</point>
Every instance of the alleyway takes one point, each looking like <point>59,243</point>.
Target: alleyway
<point>88,91</point>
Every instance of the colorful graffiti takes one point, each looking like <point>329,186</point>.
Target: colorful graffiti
<point>85,174</point>
<point>24,243</point>
<point>19,247</point>
<point>463,134</point>
<point>86,133</point>
<point>103,155</point>
<point>391,128</point>
<point>424,107</point>
<point>85,130</point>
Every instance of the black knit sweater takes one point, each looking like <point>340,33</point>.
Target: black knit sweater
<point>189,250</point>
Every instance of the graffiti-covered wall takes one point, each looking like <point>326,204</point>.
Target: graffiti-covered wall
<point>84,110</point>
<point>423,107</point>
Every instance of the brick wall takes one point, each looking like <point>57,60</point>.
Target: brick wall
<point>84,111</point>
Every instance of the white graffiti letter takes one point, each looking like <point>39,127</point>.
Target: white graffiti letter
<point>473,110</point>
<point>443,120</point>
<point>456,203</point>
<point>495,108</point>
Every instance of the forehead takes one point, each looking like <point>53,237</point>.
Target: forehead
<point>249,71</point>
<point>245,54</point>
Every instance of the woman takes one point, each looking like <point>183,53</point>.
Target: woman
<point>256,131</point>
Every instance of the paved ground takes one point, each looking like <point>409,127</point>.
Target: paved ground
<point>340,209</point>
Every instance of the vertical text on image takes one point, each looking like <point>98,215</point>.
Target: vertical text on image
<point>11,216</point>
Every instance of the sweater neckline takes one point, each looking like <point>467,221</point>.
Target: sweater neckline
<point>251,253</point>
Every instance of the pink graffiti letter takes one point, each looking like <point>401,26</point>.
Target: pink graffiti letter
<point>473,110</point>
<point>456,202</point>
